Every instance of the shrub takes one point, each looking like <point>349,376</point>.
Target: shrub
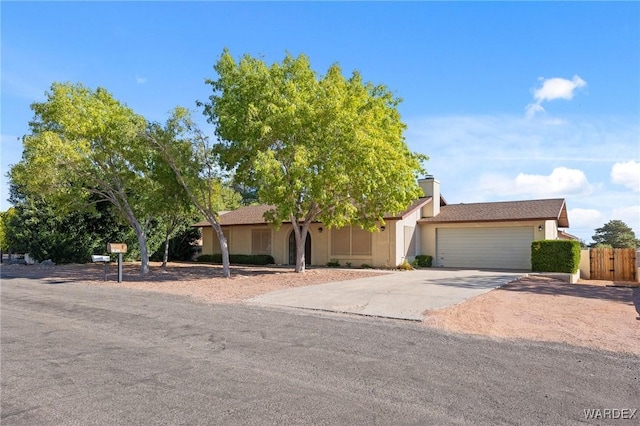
<point>181,247</point>
<point>423,261</point>
<point>238,259</point>
<point>366,266</point>
<point>405,266</point>
<point>333,263</point>
<point>555,256</point>
<point>209,258</point>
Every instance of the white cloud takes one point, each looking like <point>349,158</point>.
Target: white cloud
<point>141,80</point>
<point>627,174</point>
<point>478,158</point>
<point>560,183</point>
<point>558,88</point>
<point>586,218</point>
<point>552,89</point>
<point>532,109</point>
<point>508,137</point>
<point>629,215</point>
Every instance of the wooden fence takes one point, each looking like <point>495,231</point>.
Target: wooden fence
<point>613,264</point>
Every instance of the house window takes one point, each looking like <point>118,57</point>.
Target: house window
<point>261,241</point>
<point>216,242</point>
<point>350,241</point>
<point>341,241</point>
<point>360,242</point>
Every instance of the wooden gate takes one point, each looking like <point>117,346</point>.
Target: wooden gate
<point>613,264</point>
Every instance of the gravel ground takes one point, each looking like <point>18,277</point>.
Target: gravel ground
<point>590,314</point>
<point>202,282</point>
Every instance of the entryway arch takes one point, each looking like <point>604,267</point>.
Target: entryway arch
<point>293,247</point>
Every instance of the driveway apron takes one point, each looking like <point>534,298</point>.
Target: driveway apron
<point>400,295</point>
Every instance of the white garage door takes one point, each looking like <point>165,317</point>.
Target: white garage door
<point>492,248</point>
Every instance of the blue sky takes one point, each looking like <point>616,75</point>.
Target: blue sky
<point>510,101</point>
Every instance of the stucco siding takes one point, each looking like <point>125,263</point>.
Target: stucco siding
<point>240,239</point>
<point>407,236</point>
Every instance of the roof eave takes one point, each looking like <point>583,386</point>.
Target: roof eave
<point>406,213</point>
<point>563,217</point>
<point>526,219</point>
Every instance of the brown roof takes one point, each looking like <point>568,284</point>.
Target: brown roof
<point>503,211</point>
<point>254,215</point>
<point>412,207</point>
<point>248,215</point>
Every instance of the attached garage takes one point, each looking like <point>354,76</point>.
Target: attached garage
<point>492,248</point>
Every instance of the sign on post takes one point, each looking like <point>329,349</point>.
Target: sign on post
<point>118,248</point>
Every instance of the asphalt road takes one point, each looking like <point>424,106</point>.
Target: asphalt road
<point>79,355</point>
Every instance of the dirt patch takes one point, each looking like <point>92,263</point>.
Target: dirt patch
<point>588,313</point>
<point>202,282</point>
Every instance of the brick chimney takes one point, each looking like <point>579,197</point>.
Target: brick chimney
<point>431,188</point>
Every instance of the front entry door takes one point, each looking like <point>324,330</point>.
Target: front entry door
<point>292,249</point>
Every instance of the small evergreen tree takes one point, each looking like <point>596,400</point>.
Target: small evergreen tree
<point>616,234</point>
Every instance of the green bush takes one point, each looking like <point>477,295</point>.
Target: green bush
<point>333,263</point>
<point>366,266</point>
<point>209,258</point>
<point>181,247</point>
<point>555,256</point>
<point>238,259</point>
<point>423,261</point>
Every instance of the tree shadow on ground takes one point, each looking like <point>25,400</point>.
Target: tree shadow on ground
<point>552,287</point>
<point>61,274</point>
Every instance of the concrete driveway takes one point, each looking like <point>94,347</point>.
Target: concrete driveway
<point>400,295</point>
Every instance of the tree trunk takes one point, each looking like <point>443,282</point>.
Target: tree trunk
<point>144,253</point>
<point>140,233</point>
<point>224,248</point>
<point>207,212</point>
<point>300,232</point>
<point>300,260</point>
<point>165,256</point>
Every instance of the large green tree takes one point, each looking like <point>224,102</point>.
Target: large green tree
<point>174,212</point>
<point>37,228</point>
<point>318,148</point>
<point>5,219</point>
<point>85,146</point>
<point>616,234</point>
<point>190,155</point>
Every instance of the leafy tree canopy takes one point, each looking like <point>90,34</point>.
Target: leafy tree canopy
<point>194,164</point>
<point>616,234</point>
<point>5,218</point>
<point>38,229</point>
<point>327,148</point>
<point>84,147</point>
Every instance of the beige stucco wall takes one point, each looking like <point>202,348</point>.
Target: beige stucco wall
<point>387,247</point>
<point>550,230</point>
<point>383,250</point>
<point>585,264</point>
<point>428,231</point>
<point>399,253</point>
